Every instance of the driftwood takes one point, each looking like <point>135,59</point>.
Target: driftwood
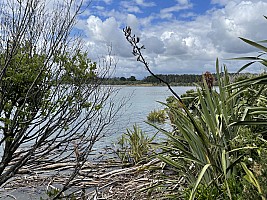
<point>129,170</point>
<point>108,179</point>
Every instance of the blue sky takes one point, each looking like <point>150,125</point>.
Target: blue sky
<point>180,36</point>
<point>177,10</point>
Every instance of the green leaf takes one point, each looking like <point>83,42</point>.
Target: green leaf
<point>263,41</point>
<point>224,166</point>
<point>251,178</point>
<point>224,162</point>
<point>200,176</point>
<point>249,123</point>
<point>258,46</point>
<point>247,82</point>
<point>245,66</point>
<point>242,148</point>
<point>170,161</point>
<point>246,58</point>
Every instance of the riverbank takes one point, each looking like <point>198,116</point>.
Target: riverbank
<point>107,179</point>
<point>136,84</point>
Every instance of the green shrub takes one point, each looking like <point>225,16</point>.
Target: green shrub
<point>209,157</point>
<point>208,149</point>
<point>157,116</point>
<point>134,146</point>
<point>189,97</point>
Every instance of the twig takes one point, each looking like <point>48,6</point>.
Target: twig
<point>128,170</point>
<point>134,41</point>
<point>12,196</point>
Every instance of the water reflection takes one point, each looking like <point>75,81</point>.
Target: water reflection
<point>142,101</point>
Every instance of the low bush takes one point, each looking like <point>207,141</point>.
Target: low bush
<point>134,146</point>
<point>217,148</point>
<point>158,116</point>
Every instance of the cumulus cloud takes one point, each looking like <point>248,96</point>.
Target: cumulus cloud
<point>108,1</point>
<point>242,19</point>
<point>226,2</point>
<point>174,44</point>
<point>221,2</point>
<point>145,4</point>
<point>133,22</point>
<point>102,34</point>
<point>135,6</point>
<point>177,46</point>
<point>183,2</point>
<point>130,7</point>
<point>154,45</point>
<point>176,8</point>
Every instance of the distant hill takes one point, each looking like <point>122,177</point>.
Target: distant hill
<point>172,79</point>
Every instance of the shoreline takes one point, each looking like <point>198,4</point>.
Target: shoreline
<point>149,85</point>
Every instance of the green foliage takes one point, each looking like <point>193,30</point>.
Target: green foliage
<point>132,78</point>
<point>176,79</point>
<point>78,68</point>
<point>24,72</point>
<point>189,97</point>
<point>53,192</point>
<point>36,89</point>
<point>27,83</point>
<point>123,78</point>
<point>217,148</point>
<point>22,88</point>
<point>227,142</point>
<point>239,190</point>
<point>158,116</point>
<point>201,146</point>
<point>52,105</point>
<point>134,146</point>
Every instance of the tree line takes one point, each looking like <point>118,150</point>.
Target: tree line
<point>173,79</point>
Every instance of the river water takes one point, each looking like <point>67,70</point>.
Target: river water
<point>142,100</point>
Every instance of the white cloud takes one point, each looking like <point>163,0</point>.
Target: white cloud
<point>220,2</point>
<point>183,1</point>
<point>145,4</point>
<point>112,13</point>
<point>181,46</point>
<point>189,14</point>
<point>108,1</point>
<point>227,2</point>
<point>130,7</point>
<point>176,8</point>
<point>154,45</point>
<point>244,19</point>
<point>133,22</point>
<point>101,34</point>
<point>100,8</point>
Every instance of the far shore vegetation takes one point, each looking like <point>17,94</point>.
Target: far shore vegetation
<point>172,79</point>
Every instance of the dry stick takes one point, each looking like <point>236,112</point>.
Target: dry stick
<point>128,170</point>
<point>133,40</point>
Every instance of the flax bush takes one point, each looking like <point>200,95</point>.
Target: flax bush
<point>134,146</point>
<point>217,147</point>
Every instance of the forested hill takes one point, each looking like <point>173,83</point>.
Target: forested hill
<point>173,79</point>
<point>184,79</point>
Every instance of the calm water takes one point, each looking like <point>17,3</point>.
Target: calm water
<point>143,100</point>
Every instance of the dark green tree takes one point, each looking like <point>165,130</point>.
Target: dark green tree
<point>131,78</point>
<point>53,108</point>
<point>122,78</point>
